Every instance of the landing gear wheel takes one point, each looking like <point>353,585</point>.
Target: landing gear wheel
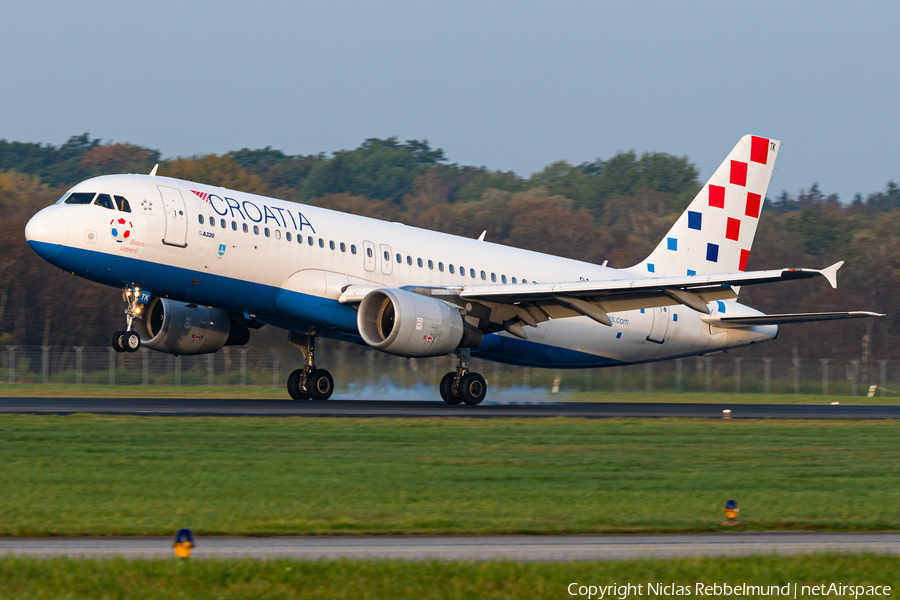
<point>294,388</point>
<point>118,341</point>
<point>131,341</point>
<point>320,385</point>
<point>472,388</point>
<point>447,389</point>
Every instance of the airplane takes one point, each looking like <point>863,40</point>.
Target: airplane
<point>201,266</point>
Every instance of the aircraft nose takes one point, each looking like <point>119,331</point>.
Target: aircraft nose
<point>47,231</point>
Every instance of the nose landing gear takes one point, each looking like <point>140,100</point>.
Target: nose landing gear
<point>126,341</point>
<point>463,385</point>
<point>129,340</point>
<point>309,383</point>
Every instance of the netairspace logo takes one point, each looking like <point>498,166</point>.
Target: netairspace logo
<point>720,590</point>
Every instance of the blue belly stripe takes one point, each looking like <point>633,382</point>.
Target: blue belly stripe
<point>278,307</point>
<point>513,351</point>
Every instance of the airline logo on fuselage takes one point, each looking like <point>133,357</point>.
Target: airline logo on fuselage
<point>120,229</point>
<point>250,211</point>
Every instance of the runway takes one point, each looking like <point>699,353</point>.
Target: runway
<point>521,548</point>
<point>414,409</point>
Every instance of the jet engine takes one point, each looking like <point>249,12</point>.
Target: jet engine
<point>178,328</point>
<point>407,324</point>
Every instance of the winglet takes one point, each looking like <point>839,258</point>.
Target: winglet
<point>830,273</point>
<point>153,172</point>
<point>481,237</point>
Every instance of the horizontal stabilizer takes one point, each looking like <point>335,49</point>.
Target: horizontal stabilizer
<point>752,321</point>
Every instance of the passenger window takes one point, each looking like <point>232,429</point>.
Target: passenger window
<point>494,277</point>
<point>331,245</point>
<point>122,204</point>
<point>309,240</point>
<point>256,230</point>
<point>287,235</point>
<point>483,276</point>
<point>321,243</point>
<point>234,225</point>
<point>386,255</point>
<point>81,198</point>
<point>105,201</point>
<point>409,260</point>
<point>299,239</point>
<point>472,273</point>
<point>245,228</point>
<point>223,224</point>
<point>503,279</point>
<point>514,280</point>
<point>431,265</point>
<point>399,260</point>
<point>212,221</point>
<point>343,247</point>
<point>441,267</point>
<point>462,271</point>
<point>266,230</point>
<point>419,262</point>
<point>352,248</point>
<point>201,219</point>
<point>277,234</point>
<point>451,269</point>
<point>369,252</point>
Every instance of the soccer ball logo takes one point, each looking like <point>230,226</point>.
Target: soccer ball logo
<point>120,229</point>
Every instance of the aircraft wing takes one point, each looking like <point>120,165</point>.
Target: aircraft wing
<point>751,321</point>
<point>535,302</point>
<point>511,307</point>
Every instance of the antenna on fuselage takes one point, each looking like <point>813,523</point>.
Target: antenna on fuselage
<point>481,237</point>
<point>153,172</point>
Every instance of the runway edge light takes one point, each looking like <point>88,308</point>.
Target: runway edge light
<point>184,543</point>
<point>731,511</point>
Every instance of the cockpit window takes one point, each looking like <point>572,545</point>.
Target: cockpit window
<point>80,198</point>
<point>105,201</point>
<point>122,204</point>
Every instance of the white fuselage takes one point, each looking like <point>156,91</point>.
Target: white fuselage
<point>290,265</point>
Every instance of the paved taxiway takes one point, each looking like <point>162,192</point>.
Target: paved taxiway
<point>388,408</point>
<point>514,547</point>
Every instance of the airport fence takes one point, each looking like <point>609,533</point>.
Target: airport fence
<point>356,368</point>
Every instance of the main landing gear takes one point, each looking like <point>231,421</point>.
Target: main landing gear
<point>310,383</point>
<point>463,385</point>
<point>129,340</point>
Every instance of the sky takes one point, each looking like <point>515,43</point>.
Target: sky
<point>510,85</point>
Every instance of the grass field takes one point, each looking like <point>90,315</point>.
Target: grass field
<point>104,475</point>
<point>63,578</point>
<point>55,390</point>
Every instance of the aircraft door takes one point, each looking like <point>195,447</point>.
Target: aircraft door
<point>369,256</point>
<point>386,263</point>
<point>660,325</point>
<point>176,217</point>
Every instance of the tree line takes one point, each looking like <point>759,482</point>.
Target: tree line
<point>615,210</point>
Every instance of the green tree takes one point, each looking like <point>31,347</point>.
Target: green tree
<point>214,170</point>
<point>379,169</point>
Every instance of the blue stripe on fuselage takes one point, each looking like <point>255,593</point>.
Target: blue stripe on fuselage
<point>294,310</point>
<point>514,351</point>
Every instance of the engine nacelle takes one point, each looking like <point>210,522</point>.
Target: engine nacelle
<point>178,328</point>
<point>407,324</point>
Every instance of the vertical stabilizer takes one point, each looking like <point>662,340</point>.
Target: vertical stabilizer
<point>715,233</point>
